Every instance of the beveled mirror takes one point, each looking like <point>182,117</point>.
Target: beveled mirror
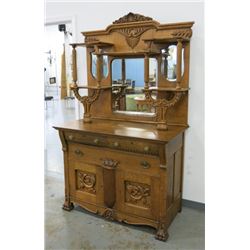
<point>128,84</point>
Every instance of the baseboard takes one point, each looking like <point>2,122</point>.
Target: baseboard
<point>193,204</point>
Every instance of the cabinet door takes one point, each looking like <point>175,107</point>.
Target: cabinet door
<point>85,182</point>
<point>138,194</point>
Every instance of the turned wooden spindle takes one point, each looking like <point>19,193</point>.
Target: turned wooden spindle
<point>98,70</point>
<point>179,63</point>
<point>146,70</point>
<point>123,71</point>
<point>74,65</point>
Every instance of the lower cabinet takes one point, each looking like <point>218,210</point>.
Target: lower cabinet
<point>132,187</point>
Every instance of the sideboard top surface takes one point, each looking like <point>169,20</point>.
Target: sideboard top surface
<point>121,128</point>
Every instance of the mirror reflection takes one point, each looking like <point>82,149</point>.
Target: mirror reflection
<point>104,63</point>
<point>128,84</point>
<point>169,60</point>
<point>93,65</point>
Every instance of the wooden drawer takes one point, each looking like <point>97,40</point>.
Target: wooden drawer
<point>148,165</point>
<point>117,143</point>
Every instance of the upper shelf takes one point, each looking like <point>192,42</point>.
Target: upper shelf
<point>165,40</point>
<point>90,87</point>
<point>130,53</point>
<point>92,44</point>
<point>168,89</point>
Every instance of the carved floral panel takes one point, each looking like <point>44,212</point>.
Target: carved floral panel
<point>137,194</point>
<point>86,181</point>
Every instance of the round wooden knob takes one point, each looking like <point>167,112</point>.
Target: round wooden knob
<point>116,144</point>
<point>146,148</point>
<point>96,141</point>
<point>71,137</point>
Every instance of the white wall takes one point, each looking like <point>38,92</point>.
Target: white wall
<point>94,16</point>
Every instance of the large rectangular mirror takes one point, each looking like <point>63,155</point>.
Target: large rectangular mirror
<point>128,84</point>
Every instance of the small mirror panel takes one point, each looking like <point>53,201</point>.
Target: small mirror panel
<point>169,61</point>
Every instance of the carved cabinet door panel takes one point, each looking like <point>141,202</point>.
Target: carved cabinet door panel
<point>138,194</point>
<point>86,182</point>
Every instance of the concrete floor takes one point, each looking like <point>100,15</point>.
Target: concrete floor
<point>80,229</point>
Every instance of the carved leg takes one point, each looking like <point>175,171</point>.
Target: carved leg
<point>162,233</point>
<point>68,205</point>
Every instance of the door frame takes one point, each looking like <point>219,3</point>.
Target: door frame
<point>72,20</point>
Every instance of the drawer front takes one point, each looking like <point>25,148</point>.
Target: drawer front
<point>148,165</point>
<point>117,143</point>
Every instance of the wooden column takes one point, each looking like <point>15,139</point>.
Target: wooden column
<point>123,70</point>
<point>146,70</point>
<point>98,70</point>
<point>179,63</point>
<point>74,65</point>
<point>63,75</point>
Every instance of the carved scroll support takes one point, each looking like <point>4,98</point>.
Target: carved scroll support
<point>162,105</point>
<point>109,185</point>
<point>87,101</point>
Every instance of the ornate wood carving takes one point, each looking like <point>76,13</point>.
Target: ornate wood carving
<point>109,214</point>
<point>132,34</point>
<point>137,193</point>
<point>109,163</point>
<point>67,205</point>
<point>132,17</point>
<point>162,105</point>
<point>184,34</point>
<point>162,233</point>
<point>89,39</point>
<point>86,101</point>
<point>86,181</point>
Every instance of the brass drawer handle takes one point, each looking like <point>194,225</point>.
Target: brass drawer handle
<point>79,152</point>
<point>71,137</point>
<point>96,141</point>
<point>145,164</point>
<point>146,148</point>
<point>116,144</point>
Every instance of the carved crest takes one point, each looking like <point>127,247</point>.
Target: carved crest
<point>133,35</point>
<point>109,163</point>
<point>131,17</point>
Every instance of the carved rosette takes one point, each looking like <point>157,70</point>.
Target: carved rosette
<point>132,34</point>
<point>137,193</point>
<point>132,17</point>
<point>109,214</point>
<point>86,181</point>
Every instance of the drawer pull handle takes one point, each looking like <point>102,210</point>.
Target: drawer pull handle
<point>71,137</point>
<point>96,141</point>
<point>116,144</point>
<point>146,148</point>
<point>145,164</point>
<point>79,152</point>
